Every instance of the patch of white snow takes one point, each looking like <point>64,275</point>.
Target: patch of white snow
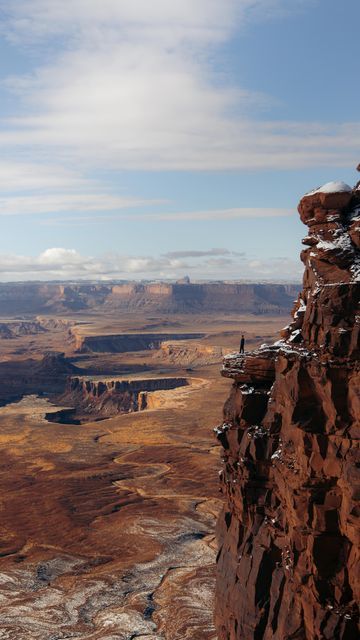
<point>337,186</point>
<point>341,242</point>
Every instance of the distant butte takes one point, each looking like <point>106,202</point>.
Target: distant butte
<point>288,561</point>
<point>180,297</point>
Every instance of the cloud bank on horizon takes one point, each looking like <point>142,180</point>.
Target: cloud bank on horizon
<point>116,86</point>
<point>58,263</point>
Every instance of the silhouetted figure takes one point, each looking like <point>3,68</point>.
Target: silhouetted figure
<point>242,344</point>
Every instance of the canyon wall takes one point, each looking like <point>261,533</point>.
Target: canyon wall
<point>125,342</point>
<point>106,398</point>
<point>288,561</point>
<point>15,329</point>
<point>184,353</point>
<point>213,296</point>
<point>35,298</point>
<point>25,377</point>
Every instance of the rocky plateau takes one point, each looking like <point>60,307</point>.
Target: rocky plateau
<point>18,298</point>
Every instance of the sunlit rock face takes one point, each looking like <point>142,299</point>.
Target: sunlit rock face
<point>99,399</point>
<point>288,560</point>
<point>182,297</point>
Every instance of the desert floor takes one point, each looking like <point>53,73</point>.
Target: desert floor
<point>107,528</point>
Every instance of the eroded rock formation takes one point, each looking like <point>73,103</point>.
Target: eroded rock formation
<point>25,377</point>
<point>14,329</point>
<point>184,353</point>
<point>125,342</point>
<point>99,399</point>
<point>288,561</point>
<point>160,297</point>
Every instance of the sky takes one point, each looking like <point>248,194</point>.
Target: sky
<point>155,139</point>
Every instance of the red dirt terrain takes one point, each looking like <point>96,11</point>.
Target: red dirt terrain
<point>109,473</point>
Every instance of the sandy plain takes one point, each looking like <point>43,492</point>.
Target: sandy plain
<point>107,528</point>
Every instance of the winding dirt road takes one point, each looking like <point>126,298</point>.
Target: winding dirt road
<point>107,529</point>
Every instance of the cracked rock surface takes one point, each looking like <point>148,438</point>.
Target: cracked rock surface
<point>288,560</point>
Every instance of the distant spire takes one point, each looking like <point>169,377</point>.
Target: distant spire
<point>184,280</point>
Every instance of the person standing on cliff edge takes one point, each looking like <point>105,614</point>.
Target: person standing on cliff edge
<point>242,344</point>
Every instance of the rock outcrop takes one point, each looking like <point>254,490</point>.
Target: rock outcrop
<point>18,328</point>
<point>98,399</point>
<point>40,377</point>
<point>288,561</point>
<point>125,342</point>
<point>185,354</point>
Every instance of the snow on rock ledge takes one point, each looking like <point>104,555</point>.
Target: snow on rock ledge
<point>288,533</point>
<point>337,186</point>
<point>331,196</point>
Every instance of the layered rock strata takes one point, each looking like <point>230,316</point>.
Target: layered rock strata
<point>125,342</point>
<point>159,297</point>
<point>15,329</point>
<point>26,377</point>
<point>105,398</point>
<point>185,353</point>
<point>288,561</point>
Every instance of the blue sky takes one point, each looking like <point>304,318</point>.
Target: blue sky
<point>157,139</point>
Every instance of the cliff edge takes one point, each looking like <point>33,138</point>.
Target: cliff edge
<point>288,561</point>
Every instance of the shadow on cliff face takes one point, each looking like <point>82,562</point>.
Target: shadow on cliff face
<point>288,535</point>
<point>34,377</point>
<point>97,400</point>
<point>308,412</point>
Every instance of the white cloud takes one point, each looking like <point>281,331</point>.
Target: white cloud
<point>29,176</point>
<point>200,254</point>
<point>59,256</point>
<point>198,21</point>
<point>130,84</point>
<point>175,216</point>
<point>67,264</point>
<point>225,214</point>
<point>40,19</point>
<point>39,188</point>
<point>58,202</point>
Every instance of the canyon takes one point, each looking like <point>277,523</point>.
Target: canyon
<point>109,470</point>
<point>288,559</point>
<point>99,399</point>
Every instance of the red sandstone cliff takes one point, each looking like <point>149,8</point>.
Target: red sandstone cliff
<point>288,561</point>
<point>105,398</point>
